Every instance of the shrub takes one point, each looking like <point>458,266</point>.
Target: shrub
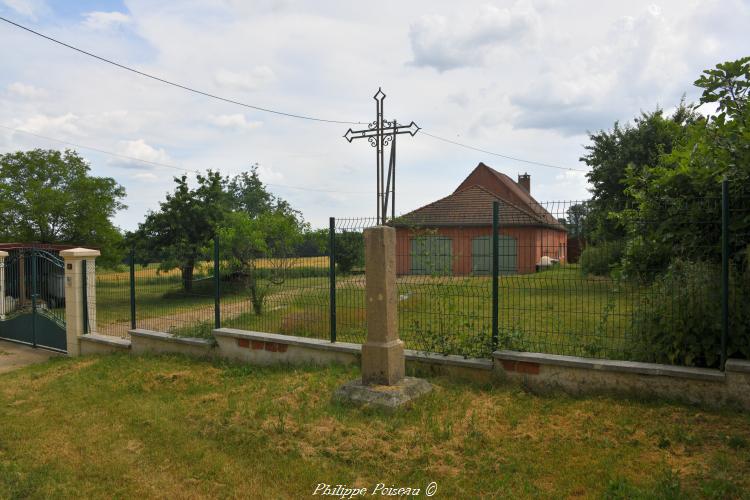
<point>679,320</point>
<point>350,251</point>
<point>643,259</point>
<point>602,258</point>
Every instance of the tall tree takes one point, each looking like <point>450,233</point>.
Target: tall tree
<point>680,191</point>
<point>179,233</point>
<point>49,196</point>
<point>626,150</point>
<point>271,236</point>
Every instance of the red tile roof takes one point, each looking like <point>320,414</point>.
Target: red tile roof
<point>506,188</point>
<point>471,204</point>
<point>470,207</point>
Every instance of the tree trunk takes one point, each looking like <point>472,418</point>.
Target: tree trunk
<point>256,298</point>
<point>187,278</point>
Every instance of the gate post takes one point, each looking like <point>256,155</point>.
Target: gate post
<point>75,259</point>
<point>3,254</point>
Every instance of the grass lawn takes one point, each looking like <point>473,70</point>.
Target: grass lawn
<point>170,427</point>
<point>557,311</point>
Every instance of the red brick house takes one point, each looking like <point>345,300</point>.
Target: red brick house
<point>453,235</point>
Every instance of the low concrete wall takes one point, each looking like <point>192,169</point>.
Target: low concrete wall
<point>102,344</point>
<point>270,348</point>
<point>738,381</point>
<point>581,376</point>
<point>147,341</point>
<point>427,364</point>
<point>536,371</point>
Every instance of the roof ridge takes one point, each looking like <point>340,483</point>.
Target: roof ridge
<point>532,204</point>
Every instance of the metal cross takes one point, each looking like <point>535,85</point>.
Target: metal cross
<point>380,134</point>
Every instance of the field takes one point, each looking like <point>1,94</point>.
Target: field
<point>170,427</point>
<point>556,311</point>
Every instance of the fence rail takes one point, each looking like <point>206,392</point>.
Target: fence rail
<point>560,278</point>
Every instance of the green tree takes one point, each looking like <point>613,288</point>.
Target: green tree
<point>674,230</point>
<point>271,236</point>
<point>576,221</point>
<point>679,193</point>
<point>313,243</point>
<point>180,232</point>
<point>49,196</point>
<point>624,150</point>
<point>350,250</point>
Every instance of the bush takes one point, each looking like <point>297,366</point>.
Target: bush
<point>602,258</point>
<point>643,259</point>
<point>679,320</point>
<point>350,251</point>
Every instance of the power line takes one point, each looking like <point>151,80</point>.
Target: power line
<point>178,85</point>
<point>531,162</point>
<point>266,110</point>
<point>165,165</point>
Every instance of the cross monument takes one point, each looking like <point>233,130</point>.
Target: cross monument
<point>381,133</point>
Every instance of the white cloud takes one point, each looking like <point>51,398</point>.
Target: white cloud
<point>448,42</point>
<point>27,8</point>
<point>245,81</point>
<point>142,150</point>
<point>641,63</point>
<point>139,149</point>
<point>26,91</point>
<point>234,121</point>
<point>105,20</point>
<point>144,176</point>
<point>268,174</point>
<point>51,125</point>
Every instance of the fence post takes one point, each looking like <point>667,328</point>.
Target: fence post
<point>724,270</point>
<point>217,285</point>
<point>3,255</point>
<point>75,288</point>
<point>34,291</point>
<point>332,275</point>
<point>495,271</point>
<point>85,297</point>
<point>132,289</point>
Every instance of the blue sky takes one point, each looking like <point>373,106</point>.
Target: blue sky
<point>524,78</point>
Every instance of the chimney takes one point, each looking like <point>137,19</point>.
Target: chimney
<point>525,181</point>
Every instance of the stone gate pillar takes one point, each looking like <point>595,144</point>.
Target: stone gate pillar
<point>75,259</point>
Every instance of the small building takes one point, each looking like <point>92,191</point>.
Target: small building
<point>453,235</point>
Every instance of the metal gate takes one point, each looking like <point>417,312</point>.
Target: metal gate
<point>34,305</point>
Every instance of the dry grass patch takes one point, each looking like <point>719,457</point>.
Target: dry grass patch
<point>169,427</point>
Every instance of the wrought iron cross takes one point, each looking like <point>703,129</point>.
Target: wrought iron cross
<point>380,134</point>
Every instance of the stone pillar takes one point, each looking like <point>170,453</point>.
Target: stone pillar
<point>383,383</point>
<point>383,353</point>
<point>75,259</point>
<point>3,254</point>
